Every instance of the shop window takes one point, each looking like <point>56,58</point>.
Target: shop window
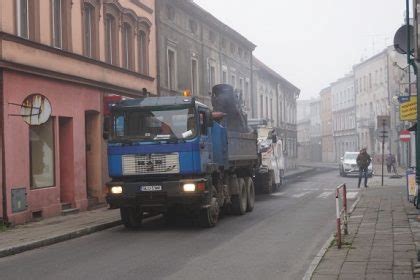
<point>194,76</point>
<point>41,143</point>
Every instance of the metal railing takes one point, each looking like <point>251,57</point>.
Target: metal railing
<point>341,210</point>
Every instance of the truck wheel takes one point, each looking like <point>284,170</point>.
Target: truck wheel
<point>250,194</point>
<point>131,217</point>
<point>210,216</point>
<point>268,182</point>
<point>239,201</point>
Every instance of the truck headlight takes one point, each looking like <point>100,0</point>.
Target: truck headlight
<point>189,187</point>
<point>116,190</point>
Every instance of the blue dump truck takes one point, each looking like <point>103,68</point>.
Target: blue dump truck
<point>173,155</point>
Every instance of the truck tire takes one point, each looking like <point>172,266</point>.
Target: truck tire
<point>131,217</point>
<point>239,201</point>
<point>268,182</point>
<point>250,189</point>
<point>210,215</point>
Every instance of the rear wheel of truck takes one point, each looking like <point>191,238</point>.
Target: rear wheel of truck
<point>210,215</point>
<point>268,182</point>
<point>249,183</point>
<point>131,217</point>
<point>239,201</point>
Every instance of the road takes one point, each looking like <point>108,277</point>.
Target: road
<point>278,240</point>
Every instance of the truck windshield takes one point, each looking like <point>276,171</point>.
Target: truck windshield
<point>154,124</point>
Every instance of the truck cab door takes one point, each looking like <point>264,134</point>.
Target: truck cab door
<point>206,147</point>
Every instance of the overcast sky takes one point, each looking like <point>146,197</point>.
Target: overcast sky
<point>312,42</point>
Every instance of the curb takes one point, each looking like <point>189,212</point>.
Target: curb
<point>56,239</point>
<point>315,262</point>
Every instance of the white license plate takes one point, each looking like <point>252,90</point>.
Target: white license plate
<point>150,188</point>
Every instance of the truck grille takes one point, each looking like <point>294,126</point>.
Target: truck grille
<point>150,164</point>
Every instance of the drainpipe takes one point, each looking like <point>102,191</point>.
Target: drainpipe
<point>3,166</point>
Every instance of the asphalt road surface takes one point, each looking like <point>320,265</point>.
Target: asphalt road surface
<point>278,240</point>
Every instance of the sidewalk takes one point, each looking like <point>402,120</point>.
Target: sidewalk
<point>53,230</point>
<point>382,237</point>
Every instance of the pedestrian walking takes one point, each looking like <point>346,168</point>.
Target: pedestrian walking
<point>363,161</point>
<point>391,163</point>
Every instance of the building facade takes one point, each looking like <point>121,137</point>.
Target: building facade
<point>344,116</point>
<point>276,102</point>
<point>71,53</point>
<point>196,51</point>
<point>315,130</point>
<point>304,140</point>
<point>327,139</point>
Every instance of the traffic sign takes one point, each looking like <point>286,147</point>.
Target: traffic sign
<point>405,136</point>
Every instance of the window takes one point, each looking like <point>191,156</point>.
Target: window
<point>41,145</point>
<point>57,23</point>
<point>261,106</point>
<point>271,108</point>
<point>111,40</point>
<point>194,77</point>
<point>22,14</point>
<point>171,69</point>
<point>212,75</point>
<point>246,92</point>
<point>240,52</point>
<point>170,12</point>
<point>233,81</point>
<point>224,76</point>
<point>370,81</point>
<point>223,43</point>
<point>203,123</point>
<point>266,107</point>
<point>212,36</point>
<point>127,45</point>
<point>89,30</point>
<point>143,49</point>
<point>241,85</point>
<point>193,26</point>
<point>232,48</point>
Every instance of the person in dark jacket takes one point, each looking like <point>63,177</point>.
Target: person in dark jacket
<point>390,163</point>
<point>363,161</point>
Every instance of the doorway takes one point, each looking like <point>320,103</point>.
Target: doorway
<point>66,160</point>
<point>93,155</point>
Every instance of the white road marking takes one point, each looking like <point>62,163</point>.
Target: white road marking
<point>352,195</point>
<point>325,194</point>
<point>300,194</point>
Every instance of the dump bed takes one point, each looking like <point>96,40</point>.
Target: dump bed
<point>242,149</point>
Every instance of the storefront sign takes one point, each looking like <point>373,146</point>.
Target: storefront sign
<point>408,110</point>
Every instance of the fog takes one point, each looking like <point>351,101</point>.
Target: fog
<point>312,43</point>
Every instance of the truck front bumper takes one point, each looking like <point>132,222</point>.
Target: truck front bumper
<point>170,195</point>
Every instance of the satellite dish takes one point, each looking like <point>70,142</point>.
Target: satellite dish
<point>400,39</point>
<point>35,109</point>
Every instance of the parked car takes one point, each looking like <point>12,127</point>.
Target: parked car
<point>348,165</point>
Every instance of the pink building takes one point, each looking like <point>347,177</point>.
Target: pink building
<point>74,53</point>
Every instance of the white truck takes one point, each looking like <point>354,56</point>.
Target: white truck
<point>271,151</point>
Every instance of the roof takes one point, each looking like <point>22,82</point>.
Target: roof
<point>261,66</point>
<point>371,58</point>
<point>212,20</point>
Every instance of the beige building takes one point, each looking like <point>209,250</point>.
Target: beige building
<point>327,139</point>
<point>71,53</point>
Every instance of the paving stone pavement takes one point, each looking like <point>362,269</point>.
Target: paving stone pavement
<point>383,234</point>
